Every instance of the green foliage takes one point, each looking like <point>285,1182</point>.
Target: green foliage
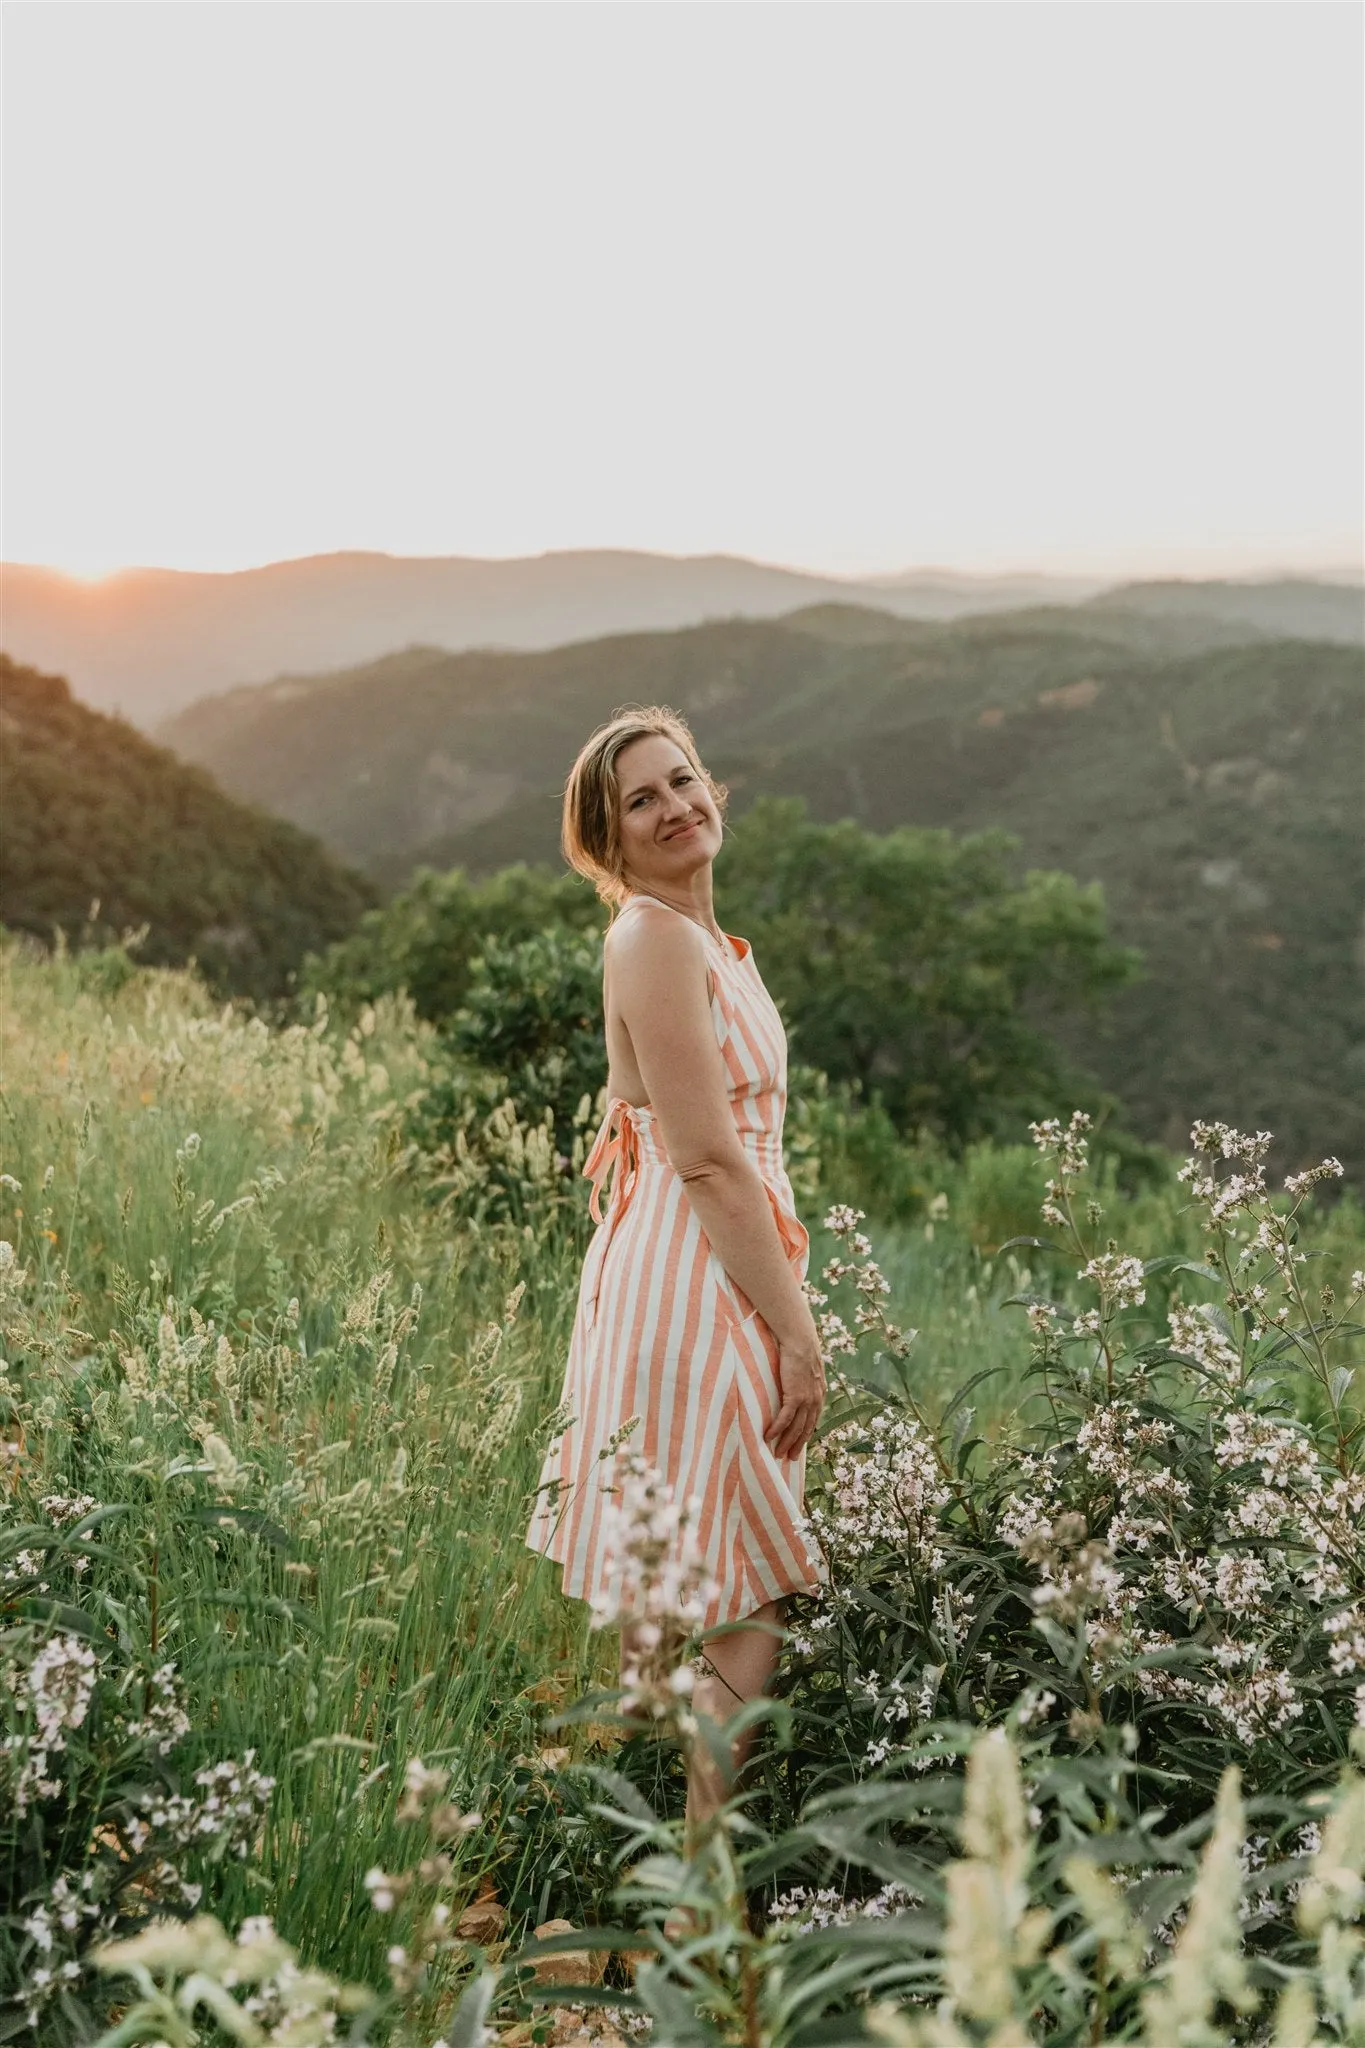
<point>1062,1752</point>
<point>910,966</point>
<point>105,833</point>
<point>427,939</point>
<point>913,963</point>
<point>309,1364</point>
<point>1212,789</point>
<point>533,1013</point>
<point>239,1308</point>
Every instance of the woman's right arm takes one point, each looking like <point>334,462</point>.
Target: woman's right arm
<point>659,991</point>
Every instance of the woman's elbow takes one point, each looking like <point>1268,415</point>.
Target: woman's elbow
<point>709,1169</point>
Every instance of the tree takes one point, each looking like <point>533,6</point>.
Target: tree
<point>427,939</point>
<point>913,963</point>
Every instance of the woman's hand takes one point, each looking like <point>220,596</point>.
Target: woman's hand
<point>801,1395</point>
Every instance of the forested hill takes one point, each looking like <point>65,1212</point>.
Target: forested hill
<point>91,812</point>
<point>1208,777</point>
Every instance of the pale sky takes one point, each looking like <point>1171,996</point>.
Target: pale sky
<point>850,287</point>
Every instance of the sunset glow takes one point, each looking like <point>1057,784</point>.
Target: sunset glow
<point>855,289</point>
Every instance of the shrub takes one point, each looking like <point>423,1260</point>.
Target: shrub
<point>1140,1622</point>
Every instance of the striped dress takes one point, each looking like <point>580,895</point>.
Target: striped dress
<point>662,1332</point>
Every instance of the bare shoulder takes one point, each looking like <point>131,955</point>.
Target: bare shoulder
<point>654,948</point>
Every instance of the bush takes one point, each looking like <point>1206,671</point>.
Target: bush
<point>1062,1752</point>
<point>426,940</point>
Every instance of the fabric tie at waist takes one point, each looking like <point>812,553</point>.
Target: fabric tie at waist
<point>617,1143</point>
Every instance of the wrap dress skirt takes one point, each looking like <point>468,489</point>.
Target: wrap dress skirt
<point>663,1334</point>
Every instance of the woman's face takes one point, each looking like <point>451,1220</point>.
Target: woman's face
<point>669,825</point>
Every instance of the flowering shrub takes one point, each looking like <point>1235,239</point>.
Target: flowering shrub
<point>1157,1572</point>
<point>1136,1618</point>
<point>93,1834</point>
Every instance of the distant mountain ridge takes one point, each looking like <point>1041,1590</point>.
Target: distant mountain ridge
<point>148,641</point>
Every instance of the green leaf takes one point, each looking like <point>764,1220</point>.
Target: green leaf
<point>466,2029</point>
<point>59,1614</point>
<point>628,1799</point>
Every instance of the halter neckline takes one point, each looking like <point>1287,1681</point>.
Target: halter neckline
<point>728,939</point>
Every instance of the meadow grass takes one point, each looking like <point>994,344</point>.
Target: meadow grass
<point>250,1318</point>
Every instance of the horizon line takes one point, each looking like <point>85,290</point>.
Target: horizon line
<point>1331,570</point>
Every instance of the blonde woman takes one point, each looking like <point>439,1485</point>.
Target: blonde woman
<point>691,1314</point>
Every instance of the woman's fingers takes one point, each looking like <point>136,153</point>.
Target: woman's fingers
<point>792,1427</point>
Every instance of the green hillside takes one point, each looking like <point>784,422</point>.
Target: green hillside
<point>428,757</point>
<point>93,813</point>
<point>1208,777</point>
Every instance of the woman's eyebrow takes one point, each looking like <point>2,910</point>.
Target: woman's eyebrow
<point>640,788</point>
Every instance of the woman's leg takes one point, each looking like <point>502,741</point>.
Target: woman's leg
<point>741,1665</point>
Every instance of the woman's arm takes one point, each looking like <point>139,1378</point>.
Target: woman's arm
<point>659,991</point>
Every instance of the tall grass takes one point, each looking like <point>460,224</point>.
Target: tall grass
<point>247,1310</point>
<point>229,1245</point>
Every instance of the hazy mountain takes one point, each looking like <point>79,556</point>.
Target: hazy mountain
<point>1289,607</point>
<point>1208,780</point>
<point>147,641</point>
<point>95,814</point>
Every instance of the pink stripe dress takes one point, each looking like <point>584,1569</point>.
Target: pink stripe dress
<point>663,1333</point>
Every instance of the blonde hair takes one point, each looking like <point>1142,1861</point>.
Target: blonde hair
<point>591,830</point>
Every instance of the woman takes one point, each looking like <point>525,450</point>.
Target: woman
<point>691,1313</point>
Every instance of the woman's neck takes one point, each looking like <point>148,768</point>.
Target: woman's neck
<point>694,901</point>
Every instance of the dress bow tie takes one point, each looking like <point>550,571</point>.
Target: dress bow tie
<point>617,1143</point>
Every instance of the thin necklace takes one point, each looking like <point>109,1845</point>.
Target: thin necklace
<point>717,934</point>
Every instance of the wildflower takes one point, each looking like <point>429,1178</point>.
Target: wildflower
<point>1258,1705</point>
<point>59,1685</point>
<point>1347,1633</point>
<point>800,1908</point>
<point>165,1722</point>
<point>835,1335</point>
<point>1299,1183</point>
<point>226,1815</point>
<point>1119,1278</point>
<point>1069,1146</point>
<point>421,1787</point>
<point>654,1580</point>
<point>841,1220</point>
<point>1195,1333</point>
<point>63,1510</point>
<point>1242,1583</point>
<point>885,1488</point>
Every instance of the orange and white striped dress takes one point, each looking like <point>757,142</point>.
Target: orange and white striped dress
<point>663,1333</point>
